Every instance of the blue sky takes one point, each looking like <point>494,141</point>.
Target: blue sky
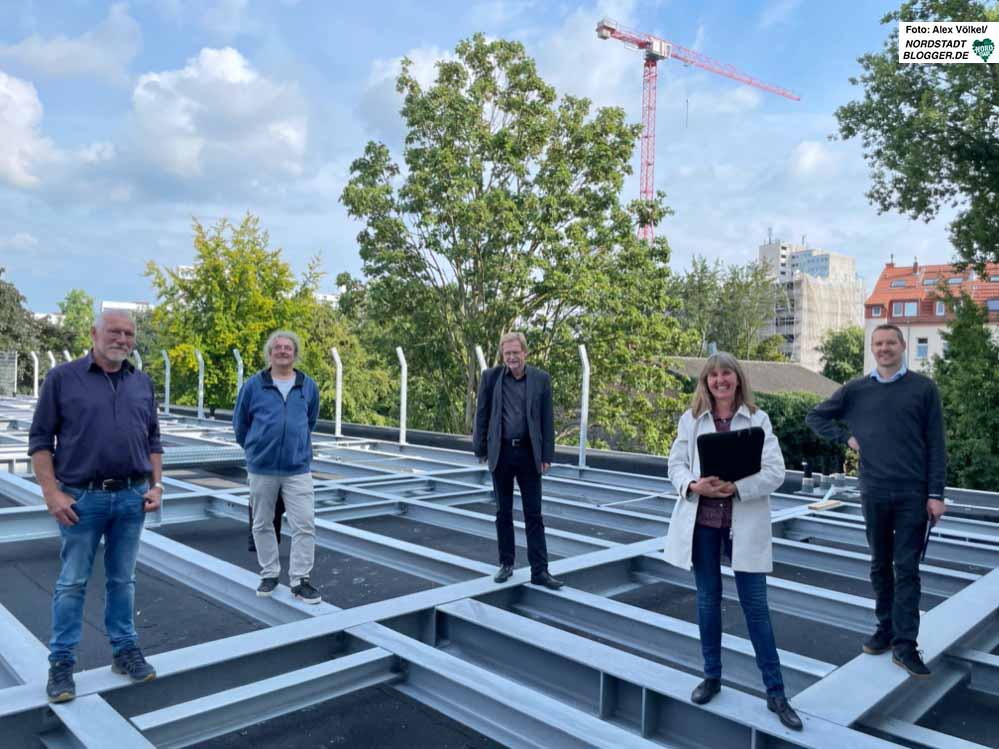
<point>119,122</point>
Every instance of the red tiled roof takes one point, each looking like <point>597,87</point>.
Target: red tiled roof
<point>980,289</point>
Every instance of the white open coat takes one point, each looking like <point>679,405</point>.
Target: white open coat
<point>751,537</point>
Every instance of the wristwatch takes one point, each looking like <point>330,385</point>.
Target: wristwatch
<point>159,485</point>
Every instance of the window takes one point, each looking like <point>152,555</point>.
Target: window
<point>898,284</point>
<point>929,281</point>
<point>955,281</point>
<point>922,348</point>
<point>992,305</point>
<point>896,309</point>
<point>911,309</point>
<point>876,310</point>
<point>993,279</point>
<point>904,309</point>
<point>941,308</point>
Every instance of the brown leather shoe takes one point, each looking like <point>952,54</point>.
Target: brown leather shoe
<point>705,691</point>
<point>547,581</point>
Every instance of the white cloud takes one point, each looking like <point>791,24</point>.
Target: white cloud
<point>22,146</point>
<point>380,103</point>
<point>104,52</point>
<point>811,159</point>
<point>21,242</point>
<point>218,115</point>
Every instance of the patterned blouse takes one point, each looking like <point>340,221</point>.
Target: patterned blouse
<point>716,512</point>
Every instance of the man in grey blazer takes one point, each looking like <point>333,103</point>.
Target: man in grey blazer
<point>515,434</point>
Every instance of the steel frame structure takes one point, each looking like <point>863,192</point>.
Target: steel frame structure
<point>523,665</point>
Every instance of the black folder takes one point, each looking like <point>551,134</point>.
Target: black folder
<point>731,455</point>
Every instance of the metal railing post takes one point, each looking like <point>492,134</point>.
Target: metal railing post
<point>482,359</point>
<point>201,383</point>
<point>166,381</point>
<point>34,361</point>
<point>138,359</point>
<point>239,371</point>
<point>584,405</point>
<point>52,361</point>
<point>402,394</point>
<point>66,356</point>
<point>338,431</point>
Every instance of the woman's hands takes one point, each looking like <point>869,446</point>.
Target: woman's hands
<point>712,486</point>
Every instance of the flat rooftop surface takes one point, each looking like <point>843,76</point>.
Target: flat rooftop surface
<point>414,645</point>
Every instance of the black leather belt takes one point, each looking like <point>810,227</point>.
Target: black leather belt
<point>112,485</point>
<point>518,442</point>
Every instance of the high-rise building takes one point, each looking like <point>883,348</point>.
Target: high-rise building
<point>820,291</point>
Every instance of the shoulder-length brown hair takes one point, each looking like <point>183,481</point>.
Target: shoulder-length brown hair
<point>704,401</point>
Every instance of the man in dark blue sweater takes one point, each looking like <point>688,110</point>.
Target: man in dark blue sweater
<point>895,420</point>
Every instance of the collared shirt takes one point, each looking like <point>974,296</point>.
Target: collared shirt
<point>514,406</point>
<point>876,375</point>
<point>96,426</point>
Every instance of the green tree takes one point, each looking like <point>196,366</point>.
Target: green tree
<point>843,353</point>
<point>798,443</point>
<point>969,392</point>
<point>78,318</point>
<point>699,294</point>
<point>635,400</point>
<point>507,213</point>
<point>749,297</point>
<point>234,295</point>
<point>929,132</point>
<point>17,329</point>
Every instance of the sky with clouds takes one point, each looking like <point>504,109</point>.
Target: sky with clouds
<point>119,122</point>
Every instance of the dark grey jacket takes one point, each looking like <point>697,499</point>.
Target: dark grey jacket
<point>489,416</point>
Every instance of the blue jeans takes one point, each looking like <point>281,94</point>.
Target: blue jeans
<point>118,518</point>
<point>752,587</point>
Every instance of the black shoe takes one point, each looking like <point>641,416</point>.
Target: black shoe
<point>912,661</point>
<point>546,580</point>
<point>131,661</point>
<point>305,592</point>
<point>878,643</point>
<point>705,691</point>
<point>779,704</point>
<point>267,586</point>
<point>61,687</point>
<point>503,573</point>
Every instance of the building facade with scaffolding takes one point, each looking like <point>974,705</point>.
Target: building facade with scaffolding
<point>820,291</point>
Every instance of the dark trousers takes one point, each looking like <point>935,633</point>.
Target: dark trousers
<point>896,525</point>
<point>518,463</point>
<point>752,587</point>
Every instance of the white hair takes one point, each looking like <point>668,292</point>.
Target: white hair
<point>102,317</point>
<point>295,341</point>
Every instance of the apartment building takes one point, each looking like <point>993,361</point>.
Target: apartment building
<point>910,297</point>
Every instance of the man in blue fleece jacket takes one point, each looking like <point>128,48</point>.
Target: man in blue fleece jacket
<point>895,420</point>
<point>275,414</point>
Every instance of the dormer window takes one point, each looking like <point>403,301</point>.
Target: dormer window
<point>955,281</point>
<point>898,283</point>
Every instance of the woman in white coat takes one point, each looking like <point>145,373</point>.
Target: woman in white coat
<point>712,516</point>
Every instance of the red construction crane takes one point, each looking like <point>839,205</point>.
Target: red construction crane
<point>657,49</point>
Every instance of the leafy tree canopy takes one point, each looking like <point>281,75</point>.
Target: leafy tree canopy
<point>78,318</point>
<point>969,392</point>
<point>930,132</point>
<point>843,353</point>
<point>506,216</point>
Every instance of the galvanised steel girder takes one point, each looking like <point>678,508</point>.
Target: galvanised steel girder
<point>650,698</point>
<point>85,722</point>
<point>200,719</point>
<point>939,549</point>
<point>651,634</point>
<point>854,690</point>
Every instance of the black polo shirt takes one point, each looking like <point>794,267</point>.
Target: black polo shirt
<point>96,425</point>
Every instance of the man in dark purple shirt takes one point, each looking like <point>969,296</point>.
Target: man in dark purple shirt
<point>95,449</point>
